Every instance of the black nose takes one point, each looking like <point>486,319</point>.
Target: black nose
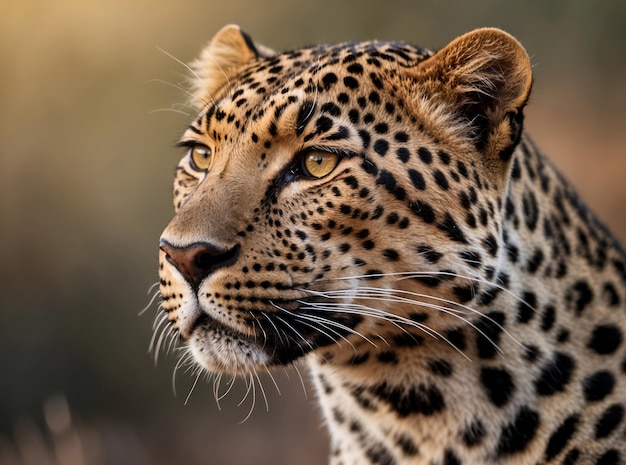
<point>198,260</point>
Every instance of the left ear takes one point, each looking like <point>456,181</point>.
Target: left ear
<point>485,78</point>
<point>229,50</point>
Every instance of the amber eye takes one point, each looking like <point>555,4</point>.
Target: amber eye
<point>318,164</point>
<point>201,157</point>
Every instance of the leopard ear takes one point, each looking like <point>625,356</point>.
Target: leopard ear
<point>486,77</point>
<point>229,50</point>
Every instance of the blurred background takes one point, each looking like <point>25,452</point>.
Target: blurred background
<point>88,117</point>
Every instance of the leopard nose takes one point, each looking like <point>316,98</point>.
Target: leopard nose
<point>198,260</point>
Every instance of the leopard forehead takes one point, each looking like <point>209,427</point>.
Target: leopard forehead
<point>316,85</point>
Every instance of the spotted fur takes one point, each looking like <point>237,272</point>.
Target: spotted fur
<point>455,300</point>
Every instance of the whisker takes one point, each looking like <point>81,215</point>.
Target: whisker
<point>295,366</point>
<point>185,65</point>
<point>402,275</point>
<point>310,318</point>
<point>295,331</point>
<point>169,110</point>
<point>193,386</point>
<point>269,373</point>
<point>249,383</point>
<point>175,86</point>
<point>267,405</point>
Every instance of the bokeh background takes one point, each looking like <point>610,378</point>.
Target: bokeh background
<point>89,112</point>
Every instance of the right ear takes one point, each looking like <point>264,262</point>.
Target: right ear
<point>484,78</point>
<point>229,50</point>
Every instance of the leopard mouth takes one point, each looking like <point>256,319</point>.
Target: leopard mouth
<point>273,339</point>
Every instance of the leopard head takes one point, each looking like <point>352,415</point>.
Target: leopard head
<point>338,196</point>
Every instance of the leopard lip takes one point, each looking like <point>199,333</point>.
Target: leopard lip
<point>204,320</point>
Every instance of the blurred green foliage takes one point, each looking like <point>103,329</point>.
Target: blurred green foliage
<point>88,120</point>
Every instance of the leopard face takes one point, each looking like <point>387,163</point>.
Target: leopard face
<point>312,178</point>
<point>377,209</point>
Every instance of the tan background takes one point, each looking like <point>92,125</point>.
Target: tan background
<point>86,158</point>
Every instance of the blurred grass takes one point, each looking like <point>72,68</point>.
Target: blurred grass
<point>86,158</point>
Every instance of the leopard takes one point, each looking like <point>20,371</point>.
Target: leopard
<point>377,212</point>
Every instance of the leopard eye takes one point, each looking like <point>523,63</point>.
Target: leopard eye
<point>318,164</point>
<point>201,157</point>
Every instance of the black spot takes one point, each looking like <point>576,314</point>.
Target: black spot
<point>610,457</point>
<point>441,180</point>
<point>425,155</point>
<point>620,267</point>
<point>450,458</point>
<point>359,359</point>
<point>452,229</point>
<point>471,257</point>
<point>352,182</point>
<point>381,146</point>
<point>531,210</point>
<point>368,244</point>
<point>610,294</point>
<point>365,139</point>
<point>605,339</point>
<point>531,353</point>
<point>374,98</point>
<point>387,180</point>
<point>609,421</point>
<point>535,261</point>
<point>388,357</point>
<point>350,82</point>
<point>391,254</point>
<point>379,455</point>
<point>323,124</point>
<point>407,340</point>
<point>474,434</point>
<point>401,136</point>
<point>563,335</point>
<point>571,457</point>
<point>555,375</point>
<point>429,253</point>
<point>462,169</point>
<point>381,128</point>
<point>491,244</point>
<point>440,367</point>
<point>488,331</point>
<point>407,445</point>
<point>498,385</point>
<point>548,318</point>
<point>331,108</point>
<point>392,218</point>
<point>456,337</point>
<point>421,399</point>
<point>444,157</point>
<point>355,68</point>
<point>516,435</point>
<point>464,293</point>
<point>343,248</point>
<point>526,307</point>
<point>561,437</point>
<point>417,179</point>
<point>403,154</point>
<point>599,385</point>
<point>579,296</point>
<point>423,211</point>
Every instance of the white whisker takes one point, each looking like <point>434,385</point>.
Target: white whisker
<point>154,297</point>
<point>193,386</point>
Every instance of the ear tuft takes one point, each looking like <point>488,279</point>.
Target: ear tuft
<point>486,76</point>
<point>229,50</point>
